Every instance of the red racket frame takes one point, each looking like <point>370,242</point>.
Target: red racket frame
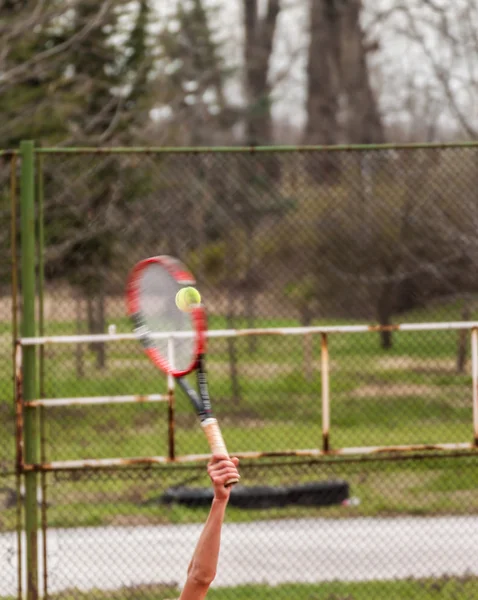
<point>198,315</point>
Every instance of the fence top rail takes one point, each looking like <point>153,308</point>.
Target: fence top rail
<point>224,333</point>
<point>6,153</point>
<point>249,149</point>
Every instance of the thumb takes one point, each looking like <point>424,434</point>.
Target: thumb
<point>219,456</point>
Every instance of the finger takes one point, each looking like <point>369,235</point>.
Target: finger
<point>214,462</point>
<point>226,479</point>
<point>226,469</point>
<point>235,460</point>
<point>230,479</point>
<point>225,475</point>
<point>221,465</point>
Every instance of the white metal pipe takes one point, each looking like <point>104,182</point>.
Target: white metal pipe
<point>138,399</point>
<point>474,373</point>
<point>325,391</point>
<point>171,399</point>
<point>224,333</point>
<point>171,361</point>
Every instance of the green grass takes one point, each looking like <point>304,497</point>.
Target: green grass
<point>430,486</point>
<point>410,394</point>
<point>376,399</point>
<point>445,589</point>
<point>465,588</point>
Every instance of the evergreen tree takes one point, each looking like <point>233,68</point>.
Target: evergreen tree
<point>138,66</point>
<point>34,98</point>
<point>193,75</point>
<point>109,83</point>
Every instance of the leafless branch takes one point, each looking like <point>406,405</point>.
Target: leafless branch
<point>443,77</point>
<point>15,74</point>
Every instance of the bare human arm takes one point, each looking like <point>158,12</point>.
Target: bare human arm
<point>203,565</point>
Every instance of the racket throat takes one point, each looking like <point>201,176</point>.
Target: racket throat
<point>205,400</point>
<point>204,393</point>
<point>203,409</point>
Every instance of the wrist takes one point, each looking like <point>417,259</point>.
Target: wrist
<point>220,500</point>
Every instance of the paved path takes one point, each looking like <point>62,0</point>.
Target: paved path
<point>267,551</point>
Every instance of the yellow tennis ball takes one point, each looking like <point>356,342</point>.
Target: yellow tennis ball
<point>186,298</point>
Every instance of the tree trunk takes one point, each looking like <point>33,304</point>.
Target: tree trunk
<point>229,284</point>
<point>79,354</point>
<point>101,347</point>
<point>249,292</point>
<point>90,319</point>
<point>96,324</point>
<point>257,52</point>
<point>461,354</point>
<point>231,347</point>
<point>385,312</point>
<point>364,123</point>
<point>308,347</point>
<point>250,305</point>
<point>322,88</point>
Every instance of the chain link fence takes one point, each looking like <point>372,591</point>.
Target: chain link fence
<point>8,183</point>
<point>275,239</point>
<point>9,484</point>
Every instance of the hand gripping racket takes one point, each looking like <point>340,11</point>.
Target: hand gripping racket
<point>151,303</point>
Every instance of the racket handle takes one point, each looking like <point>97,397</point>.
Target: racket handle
<point>216,442</point>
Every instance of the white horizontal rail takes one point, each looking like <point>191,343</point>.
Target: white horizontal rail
<point>225,333</point>
<point>138,399</point>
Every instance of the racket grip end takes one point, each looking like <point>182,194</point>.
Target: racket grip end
<point>231,482</point>
<point>216,442</point>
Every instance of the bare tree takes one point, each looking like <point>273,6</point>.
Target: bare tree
<point>364,123</point>
<point>341,105</point>
<point>323,83</point>
<point>259,32</point>
<point>322,74</point>
<point>439,73</point>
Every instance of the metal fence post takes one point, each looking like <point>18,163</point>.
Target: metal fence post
<point>29,367</point>
<point>171,402</point>
<point>474,377</point>
<point>325,394</point>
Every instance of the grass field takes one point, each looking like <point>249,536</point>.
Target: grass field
<point>410,394</point>
<point>444,589</point>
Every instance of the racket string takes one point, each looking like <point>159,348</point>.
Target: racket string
<point>157,294</point>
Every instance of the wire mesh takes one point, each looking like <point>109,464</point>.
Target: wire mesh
<point>120,533</point>
<point>281,238</point>
<point>274,239</point>
<point>7,190</point>
<point>9,540</point>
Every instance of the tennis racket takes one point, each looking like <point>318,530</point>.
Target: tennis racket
<point>151,304</point>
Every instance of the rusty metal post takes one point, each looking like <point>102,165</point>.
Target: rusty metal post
<point>171,382</point>
<point>41,362</point>
<point>19,409</point>
<point>325,393</point>
<point>29,361</point>
<point>43,509</point>
<point>474,374</point>
<point>17,369</point>
<point>19,460</point>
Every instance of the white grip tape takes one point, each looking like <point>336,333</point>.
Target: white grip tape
<point>216,442</point>
<point>214,436</point>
